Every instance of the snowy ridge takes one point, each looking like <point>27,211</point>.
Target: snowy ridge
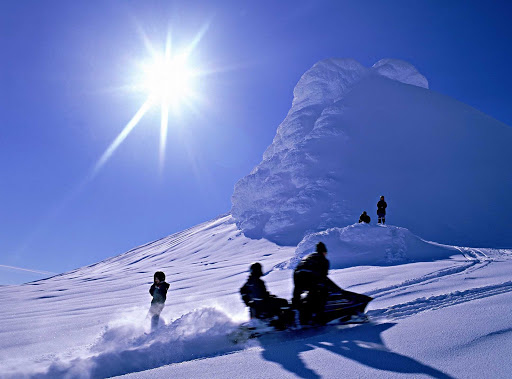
<point>363,244</point>
<point>401,71</point>
<point>325,84</point>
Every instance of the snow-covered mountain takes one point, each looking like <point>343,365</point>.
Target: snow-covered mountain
<point>355,133</point>
<point>443,318</point>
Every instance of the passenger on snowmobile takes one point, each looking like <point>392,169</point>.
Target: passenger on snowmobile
<point>381,210</point>
<point>159,292</point>
<point>364,218</point>
<point>311,275</point>
<point>255,295</point>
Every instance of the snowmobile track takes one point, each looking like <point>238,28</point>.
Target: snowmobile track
<point>477,260</point>
<point>423,304</point>
<point>422,280</point>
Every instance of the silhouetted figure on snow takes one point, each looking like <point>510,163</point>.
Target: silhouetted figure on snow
<point>255,295</point>
<point>159,292</point>
<point>364,218</point>
<point>381,210</point>
<point>311,275</point>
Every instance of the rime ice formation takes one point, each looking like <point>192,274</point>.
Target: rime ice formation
<point>355,133</point>
<point>402,71</point>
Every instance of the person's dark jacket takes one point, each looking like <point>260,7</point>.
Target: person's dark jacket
<point>159,292</point>
<point>316,264</point>
<point>364,218</point>
<point>381,207</point>
<point>253,290</point>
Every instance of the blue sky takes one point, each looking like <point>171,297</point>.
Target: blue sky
<point>64,72</point>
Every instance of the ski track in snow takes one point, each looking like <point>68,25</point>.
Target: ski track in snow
<point>423,280</point>
<point>477,260</point>
<point>419,305</point>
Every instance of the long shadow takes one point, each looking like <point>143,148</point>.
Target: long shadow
<point>362,344</point>
<point>288,356</point>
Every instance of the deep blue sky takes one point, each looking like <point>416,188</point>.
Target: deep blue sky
<point>63,65</point>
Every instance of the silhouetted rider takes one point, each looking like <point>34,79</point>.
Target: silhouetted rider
<point>311,275</point>
<point>255,295</point>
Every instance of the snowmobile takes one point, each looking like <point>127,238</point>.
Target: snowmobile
<point>341,306</point>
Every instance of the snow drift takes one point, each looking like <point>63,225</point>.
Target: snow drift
<point>355,133</point>
<point>363,244</point>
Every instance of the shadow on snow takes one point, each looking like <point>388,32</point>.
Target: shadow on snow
<point>362,344</point>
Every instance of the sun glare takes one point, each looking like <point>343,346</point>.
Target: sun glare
<point>168,80</point>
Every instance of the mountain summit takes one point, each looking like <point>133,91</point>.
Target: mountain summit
<point>355,133</point>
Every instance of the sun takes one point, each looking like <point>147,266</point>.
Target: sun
<point>169,80</point>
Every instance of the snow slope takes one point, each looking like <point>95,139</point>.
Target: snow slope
<point>355,133</point>
<point>431,317</point>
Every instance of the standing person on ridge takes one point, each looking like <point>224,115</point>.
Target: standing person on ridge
<point>159,292</point>
<point>311,275</point>
<point>381,210</point>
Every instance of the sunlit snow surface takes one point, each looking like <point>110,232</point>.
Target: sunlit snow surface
<point>442,318</point>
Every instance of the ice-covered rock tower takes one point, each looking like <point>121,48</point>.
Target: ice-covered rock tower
<point>355,133</point>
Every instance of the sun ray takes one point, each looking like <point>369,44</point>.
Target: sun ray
<point>147,42</point>
<point>168,45</point>
<point>57,209</point>
<point>164,123</point>
<point>197,39</point>
<point>121,137</point>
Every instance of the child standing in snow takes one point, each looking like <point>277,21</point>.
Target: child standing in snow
<point>159,292</point>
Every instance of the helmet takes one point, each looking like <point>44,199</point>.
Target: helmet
<point>256,269</point>
<point>321,248</point>
<point>160,276</point>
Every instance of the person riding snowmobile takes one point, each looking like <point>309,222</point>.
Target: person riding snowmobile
<point>255,295</point>
<point>311,275</point>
